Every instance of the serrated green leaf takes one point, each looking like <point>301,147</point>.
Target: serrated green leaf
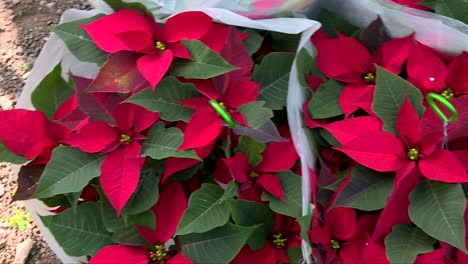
<point>163,100</point>
<point>79,42</point>
<point>248,213</point>
<point>206,62</point>
<point>79,232</point>
<point>7,156</point>
<point>226,241</point>
<point>261,129</point>
<point>367,190</point>
<point>51,92</point>
<point>292,193</point>
<point>147,193</point>
<point>406,242</point>
<point>324,103</point>
<point>69,170</point>
<point>437,208</point>
<point>164,142</point>
<point>273,74</point>
<point>205,211</point>
<point>251,148</point>
<point>453,8</point>
<point>390,93</point>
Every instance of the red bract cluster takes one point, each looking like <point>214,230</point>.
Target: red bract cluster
<point>380,133</point>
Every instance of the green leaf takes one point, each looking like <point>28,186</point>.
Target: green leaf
<point>324,103</point>
<point>390,93</point>
<point>69,170</point>
<point>206,62</point>
<point>273,74</point>
<point>147,192</point>
<point>7,156</point>
<point>261,129</point>
<point>292,193</point>
<point>251,148</point>
<point>367,190</point>
<point>294,255</point>
<point>329,137</point>
<point>164,142</point>
<point>247,213</point>
<point>437,208</point>
<point>79,42</point>
<point>146,219</point>
<point>306,64</point>
<point>305,222</point>
<point>119,5</point>
<point>284,42</point>
<point>205,211</point>
<point>163,100</point>
<point>79,232</point>
<point>406,242</point>
<point>332,23</point>
<point>51,92</point>
<point>453,8</point>
<point>253,42</point>
<point>218,246</point>
<point>231,190</point>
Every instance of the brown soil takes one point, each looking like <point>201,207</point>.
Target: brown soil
<point>23,30</point>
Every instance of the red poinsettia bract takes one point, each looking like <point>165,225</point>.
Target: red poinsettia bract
<point>168,210</point>
<point>128,30</point>
<point>120,171</point>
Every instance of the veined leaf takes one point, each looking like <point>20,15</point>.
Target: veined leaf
<point>206,63</point>
<point>205,211</point>
<point>78,41</point>
<point>79,232</point>
<point>251,148</point>
<point>69,170</point>
<point>324,103</point>
<point>437,208</point>
<point>292,193</point>
<point>163,100</point>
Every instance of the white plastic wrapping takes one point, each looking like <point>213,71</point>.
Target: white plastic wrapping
<point>55,51</point>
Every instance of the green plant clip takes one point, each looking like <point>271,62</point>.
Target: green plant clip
<point>222,112</point>
<point>432,97</point>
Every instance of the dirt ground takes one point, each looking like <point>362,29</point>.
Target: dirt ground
<point>23,31</point>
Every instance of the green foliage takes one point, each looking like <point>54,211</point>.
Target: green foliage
<point>251,148</point>
<point>332,23</point>
<point>292,193</point>
<point>324,103</point>
<point>7,156</point>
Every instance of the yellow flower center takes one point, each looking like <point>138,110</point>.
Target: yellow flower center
<point>253,175</point>
<point>126,139</point>
<point>335,244</point>
<point>413,154</point>
<point>278,241</point>
<point>447,94</point>
<point>369,77</point>
<point>158,254</point>
<point>160,46</point>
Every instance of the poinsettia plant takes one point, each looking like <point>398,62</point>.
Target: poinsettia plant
<point>178,151</point>
<point>389,185</point>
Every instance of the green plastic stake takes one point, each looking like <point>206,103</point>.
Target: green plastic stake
<point>432,97</point>
<point>222,112</point>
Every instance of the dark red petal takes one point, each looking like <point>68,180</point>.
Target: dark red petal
<point>120,173</point>
<point>187,25</point>
<point>408,125</point>
<point>122,30</point>
<point>313,82</point>
<point>134,117</point>
<point>171,205</point>
<point>394,53</point>
<point>203,128</point>
<point>216,37</point>
<point>458,74</point>
<point>377,150</point>
<point>350,252</point>
<point>180,51</point>
<point>70,115</point>
<point>265,255</point>
<point>341,222</point>
<point>196,103</point>
<point>174,165</point>
<point>396,209</point>
<point>373,253</point>
<point>426,70</point>
<point>443,166</point>
<point>206,88</point>
<point>320,235</point>
<point>93,137</point>
<point>241,93</point>
<point>179,259</point>
<point>355,96</point>
<point>120,254</point>
<point>239,167</point>
<point>278,156</point>
<point>26,132</point>
<point>354,54</point>
<point>154,66</point>
<point>271,184</point>
<point>348,129</point>
<point>435,257</point>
